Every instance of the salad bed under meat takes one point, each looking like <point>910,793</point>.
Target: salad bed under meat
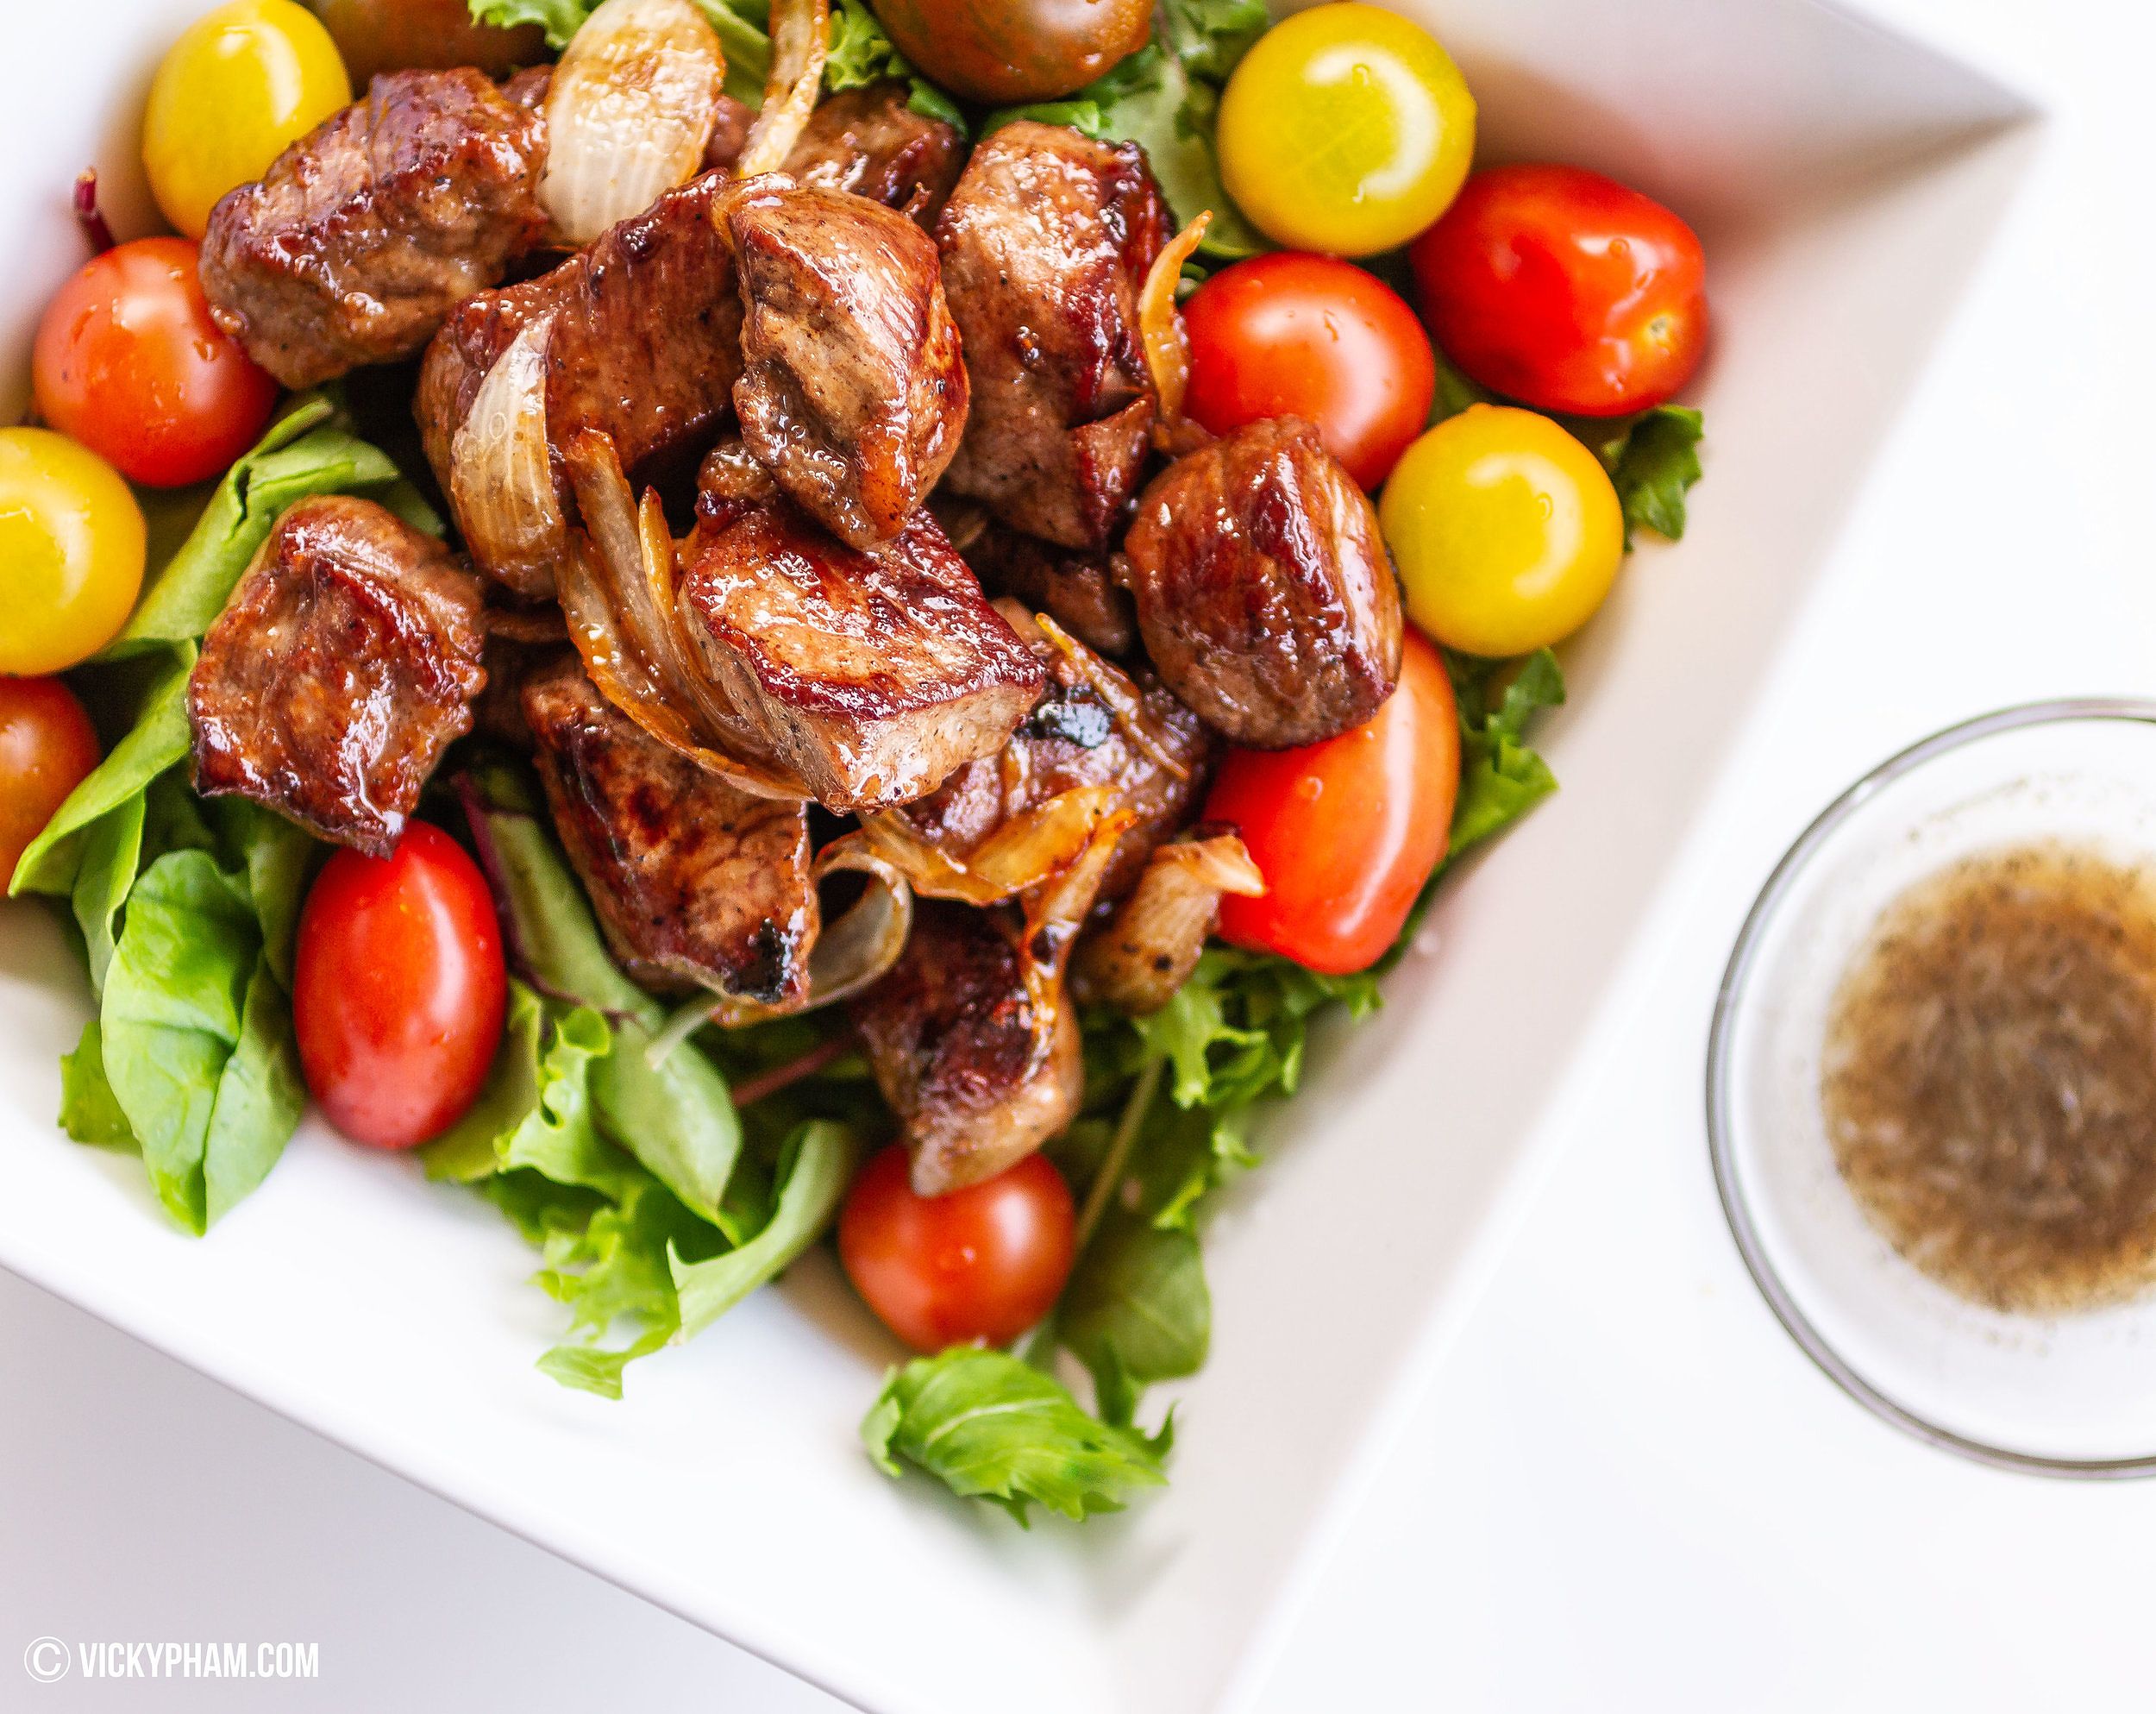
<point>744,623</point>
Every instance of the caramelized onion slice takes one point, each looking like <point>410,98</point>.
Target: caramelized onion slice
<point>1160,326</point>
<point>800,41</point>
<point>1029,850</point>
<point>1149,948</point>
<point>628,113</point>
<point>610,579</point>
<point>501,484</point>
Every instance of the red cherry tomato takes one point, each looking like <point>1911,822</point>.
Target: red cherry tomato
<point>1563,289</point>
<point>46,748</point>
<point>1290,335</point>
<point>129,363</point>
<point>986,1262</point>
<point>1345,832</point>
<point>398,988</point>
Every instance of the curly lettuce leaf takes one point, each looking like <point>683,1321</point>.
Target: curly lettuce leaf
<point>991,1426</point>
<point>533,1146</point>
<point>675,1116</point>
<point>1500,778</point>
<point>535,1109</point>
<point>1653,461</point>
<point>559,19</point>
<point>862,53</point>
<point>586,1144</point>
<point>1652,457</point>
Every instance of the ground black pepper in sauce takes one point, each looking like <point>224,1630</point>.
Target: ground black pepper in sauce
<point>1989,1078</point>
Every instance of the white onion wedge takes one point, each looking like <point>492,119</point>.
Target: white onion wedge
<point>1149,948</point>
<point>800,41</point>
<point>629,113</point>
<point>501,482</point>
<point>1030,849</point>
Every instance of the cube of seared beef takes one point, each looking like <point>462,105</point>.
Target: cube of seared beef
<point>981,1065</point>
<point>645,343</point>
<point>367,232</point>
<point>868,675</point>
<point>344,665</point>
<point>1263,589</point>
<point>1046,243</point>
<point>870,141</point>
<point>1093,725</point>
<point>1074,587</point>
<point>695,881</point>
<point>730,119</point>
<point>852,391</point>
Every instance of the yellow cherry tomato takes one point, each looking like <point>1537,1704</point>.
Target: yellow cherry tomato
<point>241,82</point>
<point>1506,529</point>
<point>1346,129</point>
<point>71,551</point>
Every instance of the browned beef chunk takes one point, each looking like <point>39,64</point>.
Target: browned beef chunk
<point>367,231</point>
<point>1150,750</point>
<point>870,141</point>
<point>868,675</point>
<point>1264,590</point>
<point>981,1066</point>
<point>1075,588</point>
<point>695,881</point>
<point>852,393</point>
<point>730,119</point>
<point>1046,244</point>
<point>645,343</point>
<point>346,661</point>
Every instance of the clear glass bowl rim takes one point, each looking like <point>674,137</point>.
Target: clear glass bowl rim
<point>1720,1120</point>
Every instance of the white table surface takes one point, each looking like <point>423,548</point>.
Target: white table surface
<point>1625,1489</point>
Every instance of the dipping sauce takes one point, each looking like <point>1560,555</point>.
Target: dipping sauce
<point>1988,1079</point>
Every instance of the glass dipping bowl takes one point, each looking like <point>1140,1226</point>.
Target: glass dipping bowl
<point>2067,1395</point>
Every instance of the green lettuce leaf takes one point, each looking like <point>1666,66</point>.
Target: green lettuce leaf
<point>614,1266</point>
<point>158,739</point>
<point>1136,1310</point>
<point>532,1145</point>
<point>109,856</point>
<point>990,1426</point>
<point>1500,778</point>
<point>814,1171</point>
<point>862,53</point>
<point>1652,457</point>
<point>195,1038</point>
<point>676,1116</point>
<point>559,19</point>
<point>1653,460</point>
<point>89,1111</point>
<point>310,450</point>
<point>535,1109</point>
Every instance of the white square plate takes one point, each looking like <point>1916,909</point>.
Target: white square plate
<point>1844,181</point>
